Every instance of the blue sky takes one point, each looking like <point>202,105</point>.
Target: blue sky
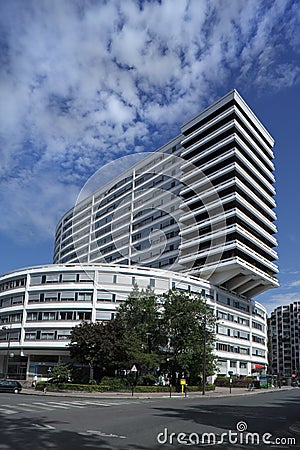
<point>83,83</point>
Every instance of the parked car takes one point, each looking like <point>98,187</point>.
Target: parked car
<point>10,386</point>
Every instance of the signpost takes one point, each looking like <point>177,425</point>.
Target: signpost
<point>133,371</point>
<point>230,373</point>
<point>183,385</point>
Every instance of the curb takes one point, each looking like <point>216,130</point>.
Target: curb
<point>148,396</point>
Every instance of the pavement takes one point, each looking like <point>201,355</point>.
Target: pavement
<point>218,392</point>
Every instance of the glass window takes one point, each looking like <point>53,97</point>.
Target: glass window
<point>63,334</point>
<point>6,302</point>
<point>51,296</point>
<point>48,315</point>
<point>35,279</point>
<point>48,335</point>
<point>32,316</point>
<point>222,330</point>
<point>18,300</point>
<point>67,296</point>
<point>69,277</point>
<point>30,335</point>
<point>85,296</point>
<point>103,296</point>
<point>52,278</point>
<point>103,315</point>
<point>86,277</point>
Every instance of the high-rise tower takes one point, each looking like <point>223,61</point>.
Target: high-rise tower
<point>201,204</point>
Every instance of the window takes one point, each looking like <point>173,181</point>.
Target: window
<point>30,336</point>
<point>48,315</point>
<point>103,315</point>
<point>243,365</point>
<point>6,302</point>
<point>233,364</point>
<point>35,279</point>
<point>152,282</point>
<point>48,335</point>
<point>83,315</point>
<point>86,277</point>
<point>51,296</point>
<point>52,278</point>
<point>244,351</point>
<point>85,296</point>
<point>222,330</point>
<point>222,347</point>
<point>69,277</point>
<point>244,335</point>
<point>18,300</point>
<point>65,315</point>
<point>258,326</point>
<point>63,334</point>
<point>67,296</point>
<point>103,296</point>
<point>221,315</point>
<point>32,316</point>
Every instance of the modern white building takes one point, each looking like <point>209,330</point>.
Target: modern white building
<point>202,204</point>
<point>196,214</point>
<point>40,305</point>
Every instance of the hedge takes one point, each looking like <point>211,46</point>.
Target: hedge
<point>106,388</point>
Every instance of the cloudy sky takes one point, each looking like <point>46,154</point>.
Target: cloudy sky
<point>83,82</point>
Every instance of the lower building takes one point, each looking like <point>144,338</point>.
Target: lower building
<point>284,349</point>
<point>40,305</point>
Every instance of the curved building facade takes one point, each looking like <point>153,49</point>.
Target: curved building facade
<point>40,305</point>
<point>202,204</point>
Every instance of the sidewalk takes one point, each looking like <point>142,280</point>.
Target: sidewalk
<point>219,392</point>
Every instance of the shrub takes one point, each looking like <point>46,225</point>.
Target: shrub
<point>114,383</point>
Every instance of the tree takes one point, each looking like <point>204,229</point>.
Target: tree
<point>189,327</point>
<point>96,345</point>
<point>60,373</point>
<point>139,319</point>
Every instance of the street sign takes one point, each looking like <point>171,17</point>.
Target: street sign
<point>133,368</point>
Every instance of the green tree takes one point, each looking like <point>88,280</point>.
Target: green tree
<point>96,345</point>
<point>139,317</point>
<point>188,324</point>
<point>60,373</point>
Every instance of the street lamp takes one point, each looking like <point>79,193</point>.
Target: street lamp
<point>7,329</point>
<point>204,354</point>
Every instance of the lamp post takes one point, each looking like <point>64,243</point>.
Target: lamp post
<point>204,354</point>
<point>7,329</point>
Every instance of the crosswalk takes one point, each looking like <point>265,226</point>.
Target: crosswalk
<point>60,405</point>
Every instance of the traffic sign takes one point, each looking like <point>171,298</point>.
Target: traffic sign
<point>133,368</point>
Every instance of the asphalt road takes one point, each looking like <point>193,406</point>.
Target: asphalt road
<point>48,422</point>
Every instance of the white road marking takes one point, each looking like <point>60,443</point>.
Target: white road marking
<point>96,403</point>
<point>58,405</point>
<point>43,427</point>
<point>71,405</point>
<point>19,406</point>
<point>8,411</point>
<point>41,405</point>
<point>100,433</point>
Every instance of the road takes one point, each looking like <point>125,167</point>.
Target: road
<point>48,422</point>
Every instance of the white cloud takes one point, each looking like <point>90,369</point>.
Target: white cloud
<point>295,283</point>
<point>85,82</point>
<point>276,300</point>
